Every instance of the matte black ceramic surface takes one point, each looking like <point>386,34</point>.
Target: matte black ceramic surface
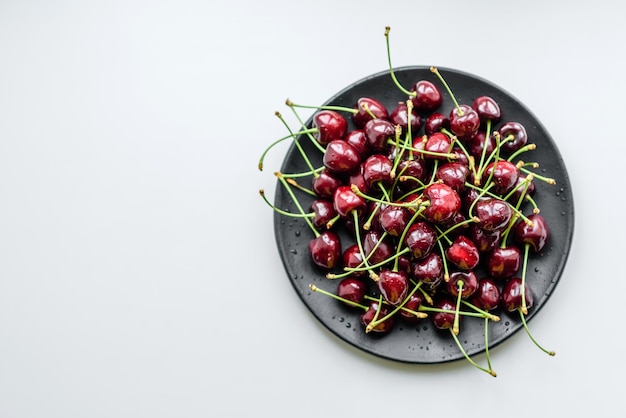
<point>422,342</point>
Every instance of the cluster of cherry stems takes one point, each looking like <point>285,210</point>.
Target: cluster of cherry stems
<point>426,210</point>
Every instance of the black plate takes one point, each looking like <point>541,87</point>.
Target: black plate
<point>422,342</point>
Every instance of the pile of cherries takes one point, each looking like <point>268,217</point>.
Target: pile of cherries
<point>439,203</point>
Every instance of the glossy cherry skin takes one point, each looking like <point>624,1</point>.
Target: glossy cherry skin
<point>479,141</point>
<point>346,202</point>
<point>503,174</point>
<point>373,312</point>
<point>352,289</point>
<point>378,132</point>
<point>375,107</point>
<point>353,258</point>
<point>463,253</point>
<point>516,132</point>
<point>523,188</point>
<point>535,235</point>
<point>413,303</point>
<point>485,241</point>
<point>394,219</point>
<point>428,269</point>
<point>438,143</point>
<point>393,285</point>
<point>326,183</point>
<point>357,139</point>
<point>464,121</point>
<point>444,203</point>
<point>493,214</point>
<point>325,250</point>
<point>512,295</point>
<point>466,280</point>
<point>377,171</point>
<point>487,108</point>
<point>444,320</point>
<point>435,122</point>
<point>411,173</point>
<point>341,157</point>
<point>324,212</point>
<point>503,262</point>
<point>400,116</point>
<point>420,238</point>
<point>427,96</point>
<point>454,174</point>
<point>330,125</point>
<point>377,248</point>
<point>487,297</point>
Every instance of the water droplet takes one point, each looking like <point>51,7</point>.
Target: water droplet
<point>293,251</point>
<point>342,319</point>
<point>348,325</point>
<point>297,233</point>
<point>536,271</point>
<point>507,323</point>
<point>563,213</point>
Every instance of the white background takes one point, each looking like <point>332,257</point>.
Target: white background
<point>139,275</point>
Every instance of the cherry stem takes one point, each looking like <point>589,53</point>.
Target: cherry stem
<point>524,308</point>
<point>398,307</point>
<point>298,145</point>
<point>525,148</point>
<point>487,315</point>
<point>284,212</point>
<point>484,150</point>
<point>455,326</point>
<point>323,107</point>
<point>435,71</point>
<point>391,72</point>
<point>467,357</point>
<point>548,180</point>
<point>339,298</point>
<point>296,202</point>
<point>523,318</point>
<point>444,259</point>
<point>278,141</point>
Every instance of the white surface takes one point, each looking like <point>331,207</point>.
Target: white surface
<point>138,271</point>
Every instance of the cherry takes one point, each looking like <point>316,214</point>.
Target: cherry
<point>487,296</point>
<point>400,116</point>
<point>512,294</point>
<point>410,308</point>
<point>324,213</point>
<point>393,285</point>
<point>524,188</point>
<point>438,146</point>
<point>462,283</point>
<point>493,214</point>
<point>330,125</point>
<point>376,311</point>
<point>445,318</point>
<point>368,108</point>
<point>463,253</point>
<point>533,233</point>
<point>515,135</point>
<point>443,204</point>
<point>325,249</point>
<point>378,132</point>
<point>503,262</point>
<point>464,121</point>
<point>352,289</point>
<point>411,173</point>
<point>377,171</point>
<point>394,219</point>
<point>454,174</point>
<point>352,258</point>
<point>376,247</point>
<point>420,238</point>
<point>436,122</point>
<point>357,139</point>
<point>427,96</point>
<point>485,241</point>
<point>487,108</point>
<point>503,174</point>
<point>478,142</point>
<point>341,157</point>
<point>346,202</point>
<point>326,183</point>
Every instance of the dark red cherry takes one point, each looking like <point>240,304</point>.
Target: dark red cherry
<point>341,157</point>
<point>367,106</point>
<point>513,136</point>
<point>420,238</point>
<point>487,108</point>
<point>444,320</point>
<point>356,138</point>
<point>487,297</point>
<point>463,253</point>
<point>325,249</point>
<point>443,204</point>
<point>464,121</point>
<point>428,269</point>
<point>394,219</point>
<point>411,173</point>
<point>454,174</point>
<point>435,122</point>
<point>331,125</point>
<point>378,311</point>
<point>467,281</point>
<point>503,262</point>
<point>438,143</point>
<point>427,96</point>
<point>376,247</point>
<point>523,187</point>
<point>503,174</point>
<point>393,285</point>
<point>377,171</point>
<point>512,294</point>
<point>535,234</point>
<point>325,184</point>
<point>412,303</point>
<point>352,289</point>
<point>493,214</point>
<point>353,258</point>
<point>356,179</point>
<point>400,116</point>
<point>485,241</point>
<point>346,202</point>
<point>479,141</point>
<point>324,212</point>
<point>378,132</point>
